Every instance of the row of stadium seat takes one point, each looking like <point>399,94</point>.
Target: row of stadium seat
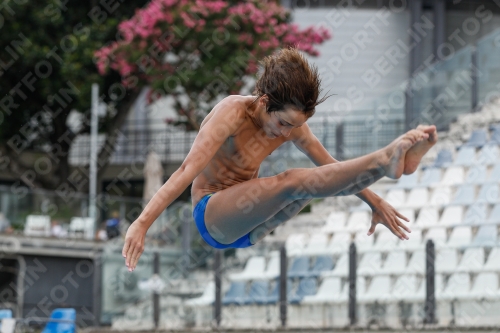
<point>406,287</point>
<point>452,175</point>
<point>464,194</point>
<point>448,260</point>
<point>384,240</point>
<point>468,156</point>
<point>481,137</point>
<point>428,217</point>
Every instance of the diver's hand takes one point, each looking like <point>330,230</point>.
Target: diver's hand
<point>134,244</point>
<point>387,215</point>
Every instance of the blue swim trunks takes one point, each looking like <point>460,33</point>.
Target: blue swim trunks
<point>199,219</point>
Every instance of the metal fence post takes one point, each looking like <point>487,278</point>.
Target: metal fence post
<point>156,293</point>
<point>218,286</point>
<point>430,300</point>
<point>474,85</point>
<point>339,141</point>
<point>283,286</point>
<point>352,284</point>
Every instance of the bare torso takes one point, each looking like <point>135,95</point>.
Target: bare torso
<point>238,159</point>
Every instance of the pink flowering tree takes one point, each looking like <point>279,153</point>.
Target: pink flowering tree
<point>201,49</point>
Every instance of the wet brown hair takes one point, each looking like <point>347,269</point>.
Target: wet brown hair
<point>288,79</point>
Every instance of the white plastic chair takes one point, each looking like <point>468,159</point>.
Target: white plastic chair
<point>363,241</point>
<point>451,215</point>
<point>476,174</point>
<point>404,288</point>
<point>465,194</point>
<point>453,176</point>
<point>488,194</point>
<point>341,268</point>
<point>458,287</point>
<point>472,260</point>
<point>446,261</point>
<point>358,221</point>
<point>413,243</point>
<point>486,236</point>
<point>273,266</point>
<point>254,269</point>
<point>316,245</point>
<point>441,196</point>
<point>493,261</point>
<point>416,264</point>
<point>395,263</point>
<point>418,197</point>
<point>295,244</point>
<point>466,156</point>
<point>379,290</point>
<point>438,236</point>
<point>339,243</point>
<point>488,155</point>
<point>396,197</point>
<point>475,214</point>
<point>370,264</point>
<point>386,240</point>
<point>328,292</point>
<point>485,287</point>
<point>207,298</point>
<point>335,222</point>
<point>37,226</point>
<point>460,236</point>
<point>82,227</point>
<point>428,216</point>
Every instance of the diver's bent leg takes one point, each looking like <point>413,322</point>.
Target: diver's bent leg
<point>280,217</point>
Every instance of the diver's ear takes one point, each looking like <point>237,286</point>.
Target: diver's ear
<point>264,99</point>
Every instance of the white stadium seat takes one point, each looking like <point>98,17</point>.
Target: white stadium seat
<point>485,287</point>
<point>458,287</point>
<point>341,267</point>
<point>493,261</point>
<point>316,245</point>
<point>370,264</point>
<point>418,198</point>
<point>273,266</point>
<point>37,225</point>
<point>446,260</point>
<point>427,217</point>
<point>395,263</point>
<point>358,221</point>
<point>254,269</point>
<point>452,215</point>
<point>488,155</point>
<point>82,227</point>
<point>386,240</point>
<point>460,236</point>
<point>438,236</point>
<point>486,236</point>
<point>329,291</point>
<point>335,222</point>
<point>466,156</point>
<point>339,243</point>
<point>405,288</point>
<point>472,260</point>
<point>441,196</point>
<point>396,197</point>
<point>416,264</point>
<point>465,194</point>
<point>363,241</point>
<point>295,243</point>
<point>379,290</point>
<point>453,176</point>
<point>414,242</point>
<point>476,174</point>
